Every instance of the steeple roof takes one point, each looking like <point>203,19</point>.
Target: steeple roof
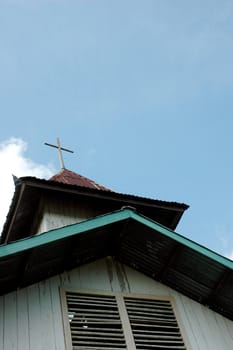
<point>69,177</point>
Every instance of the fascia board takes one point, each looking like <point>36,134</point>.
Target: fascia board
<point>63,232</point>
<point>104,220</point>
<point>109,195</point>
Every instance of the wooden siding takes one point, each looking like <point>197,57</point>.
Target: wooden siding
<point>31,318</point>
<point>55,213</point>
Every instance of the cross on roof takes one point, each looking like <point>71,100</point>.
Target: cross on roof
<point>60,149</point>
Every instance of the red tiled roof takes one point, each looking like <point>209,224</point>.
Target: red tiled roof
<point>71,178</point>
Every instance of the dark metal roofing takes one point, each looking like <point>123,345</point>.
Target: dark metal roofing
<point>29,190</point>
<point>134,240</point>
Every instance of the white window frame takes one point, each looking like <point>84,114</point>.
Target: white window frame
<point>127,330</point>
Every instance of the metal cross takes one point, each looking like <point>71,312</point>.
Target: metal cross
<point>60,149</point>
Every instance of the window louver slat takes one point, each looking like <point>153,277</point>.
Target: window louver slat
<point>93,348</point>
<point>153,324</point>
<point>95,322</point>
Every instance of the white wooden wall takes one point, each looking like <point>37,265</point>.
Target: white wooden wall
<point>31,318</point>
<point>56,213</point>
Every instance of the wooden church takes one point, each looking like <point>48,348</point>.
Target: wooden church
<point>86,268</point>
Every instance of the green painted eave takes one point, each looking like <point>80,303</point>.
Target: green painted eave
<point>63,232</point>
<point>133,240</point>
<point>104,220</point>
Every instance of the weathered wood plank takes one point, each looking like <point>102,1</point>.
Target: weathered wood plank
<point>47,330</point>
<point>2,320</point>
<point>56,312</point>
<point>10,324</point>
<point>22,320</point>
<point>34,314</point>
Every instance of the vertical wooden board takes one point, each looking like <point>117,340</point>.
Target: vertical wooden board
<point>203,328</point>
<point>139,283</point>
<point>47,330</point>
<point>195,326</point>
<point>211,329</point>
<point>88,277</point>
<point>71,279</point>
<point>101,275</point>
<point>22,319</point>
<point>120,281</point>
<point>219,327</point>
<point>56,311</point>
<point>64,279</point>
<point>200,314</point>
<point>212,334</point>
<point>34,312</point>
<point>66,322</point>
<point>113,281</point>
<point>185,322</point>
<point>42,226</point>
<point>56,214</point>
<point>228,325</point>
<point>94,276</point>
<point>2,322</point>
<point>10,324</point>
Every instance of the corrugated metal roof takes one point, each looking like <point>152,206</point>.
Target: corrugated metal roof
<point>69,177</point>
<point>134,240</point>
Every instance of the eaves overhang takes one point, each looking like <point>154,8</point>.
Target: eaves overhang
<point>28,191</point>
<point>132,239</point>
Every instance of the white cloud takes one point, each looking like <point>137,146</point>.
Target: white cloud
<point>14,162</point>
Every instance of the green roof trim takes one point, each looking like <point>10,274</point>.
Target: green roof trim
<point>183,240</point>
<point>101,221</point>
<point>63,232</point>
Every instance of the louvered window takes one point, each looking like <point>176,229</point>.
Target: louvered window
<point>153,324</point>
<point>95,322</point>
<point>116,322</point>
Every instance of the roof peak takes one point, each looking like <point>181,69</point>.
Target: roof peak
<point>69,177</point>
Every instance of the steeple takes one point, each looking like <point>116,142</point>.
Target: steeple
<point>69,177</point>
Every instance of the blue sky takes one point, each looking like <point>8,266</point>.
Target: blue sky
<point>142,91</point>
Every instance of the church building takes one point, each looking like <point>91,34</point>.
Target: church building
<point>85,268</point>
